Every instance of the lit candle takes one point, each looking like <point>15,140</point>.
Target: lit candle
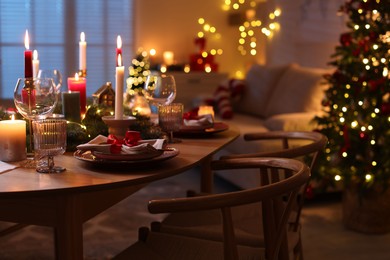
<point>206,110</point>
<point>12,140</point>
<point>168,58</point>
<point>118,48</point>
<point>82,52</point>
<point>35,63</point>
<point>28,68</point>
<point>79,84</point>
<point>119,77</point>
<point>71,106</point>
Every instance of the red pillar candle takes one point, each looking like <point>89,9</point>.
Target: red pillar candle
<point>118,48</point>
<point>79,84</point>
<point>28,67</point>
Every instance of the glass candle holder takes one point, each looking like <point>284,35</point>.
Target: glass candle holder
<point>49,141</point>
<point>170,118</point>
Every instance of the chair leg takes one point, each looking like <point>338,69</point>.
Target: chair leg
<point>143,233</point>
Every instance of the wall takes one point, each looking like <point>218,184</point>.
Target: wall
<point>309,31</point>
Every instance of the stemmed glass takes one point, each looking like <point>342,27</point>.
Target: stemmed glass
<point>49,141</point>
<point>54,74</point>
<point>160,89</point>
<point>170,119</point>
<point>34,97</point>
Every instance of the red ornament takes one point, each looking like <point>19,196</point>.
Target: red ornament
<point>346,39</point>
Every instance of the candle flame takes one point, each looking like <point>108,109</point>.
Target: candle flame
<point>13,117</point>
<point>119,60</point>
<point>35,55</point>
<point>76,76</point>
<point>26,40</point>
<point>119,42</point>
<point>82,36</point>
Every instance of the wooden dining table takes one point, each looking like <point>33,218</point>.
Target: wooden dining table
<point>66,200</point>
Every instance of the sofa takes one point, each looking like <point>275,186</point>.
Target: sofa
<point>274,98</point>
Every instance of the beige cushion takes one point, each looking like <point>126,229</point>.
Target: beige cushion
<point>291,122</point>
<point>260,81</point>
<point>300,89</point>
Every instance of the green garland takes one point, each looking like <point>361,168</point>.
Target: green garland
<point>93,125</point>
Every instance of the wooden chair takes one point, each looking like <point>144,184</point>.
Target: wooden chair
<point>247,218</point>
<point>275,196</point>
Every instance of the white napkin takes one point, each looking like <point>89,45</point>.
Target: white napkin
<point>6,166</point>
<point>204,121</point>
<point>99,144</point>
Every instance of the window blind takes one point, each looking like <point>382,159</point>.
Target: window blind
<point>54,28</point>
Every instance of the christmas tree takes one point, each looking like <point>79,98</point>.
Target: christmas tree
<point>357,104</point>
<point>138,71</point>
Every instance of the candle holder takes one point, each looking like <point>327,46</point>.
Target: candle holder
<point>118,127</point>
<point>82,73</point>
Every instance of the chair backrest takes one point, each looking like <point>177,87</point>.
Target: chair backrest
<point>312,144</point>
<point>277,198</point>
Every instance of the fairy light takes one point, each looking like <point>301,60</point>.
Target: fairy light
<point>344,154</point>
<point>372,142</point>
<point>356,27</point>
<point>373,163</point>
<point>337,177</point>
<point>354,124</point>
<point>368,177</point>
<point>249,28</point>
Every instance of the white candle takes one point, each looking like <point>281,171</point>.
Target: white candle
<point>168,58</point>
<point>119,79</point>
<point>35,64</point>
<point>12,140</point>
<point>82,52</point>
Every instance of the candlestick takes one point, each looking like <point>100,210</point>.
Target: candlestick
<point>118,48</point>
<point>35,63</point>
<point>71,106</point>
<point>79,84</point>
<point>12,140</point>
<point>28,67</point>
<point>119,76</point>
<point>82,52</point>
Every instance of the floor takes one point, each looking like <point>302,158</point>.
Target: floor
<point>324,236</point>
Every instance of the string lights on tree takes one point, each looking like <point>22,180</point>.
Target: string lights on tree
<point>357,104</point>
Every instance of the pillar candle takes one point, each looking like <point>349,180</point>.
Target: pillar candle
<point>206,110</point>
<point>79,84</point>
<point>71,106</point>
<point>12,140</point>
<point>82,52</point>
<point>35,63</point>
<point>28,68</point>
<point>119,77</point>
<point>118,48</point>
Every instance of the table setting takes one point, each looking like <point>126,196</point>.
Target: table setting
<point>50,121</point>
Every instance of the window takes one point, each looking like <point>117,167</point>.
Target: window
<point>54,28</point>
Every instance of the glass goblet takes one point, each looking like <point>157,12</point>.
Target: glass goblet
<point>49,141</point>
<point>54,74</point>
<point>170,119</point>
<point>160,89</point>
<point>34,97</point>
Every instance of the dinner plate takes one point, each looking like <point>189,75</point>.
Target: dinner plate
<point>127,157</point>
<point>89,157</point>
<point>217,127</point>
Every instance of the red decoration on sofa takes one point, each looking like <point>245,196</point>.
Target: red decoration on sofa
<point>225,93</point>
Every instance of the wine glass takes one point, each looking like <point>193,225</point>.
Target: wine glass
<point>34,97</point>
<point>54,74</point>
<point>49,141</point>
<point>160,89</point>
<point>170,119</point>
